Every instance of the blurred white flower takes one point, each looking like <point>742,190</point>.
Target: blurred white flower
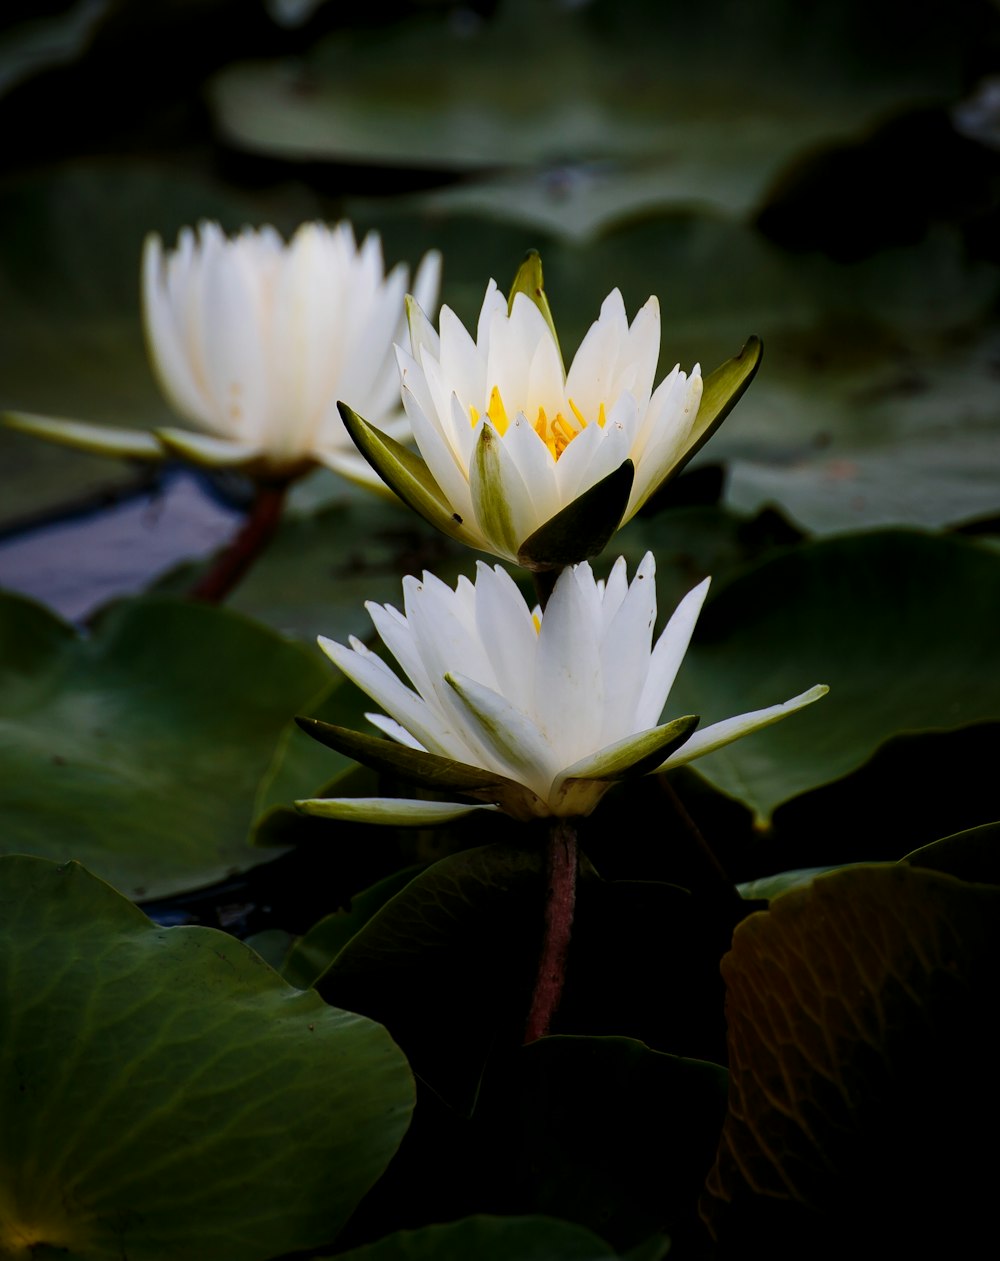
<point>508,440</point>
<point>539,713</point>
<point>254,341</point>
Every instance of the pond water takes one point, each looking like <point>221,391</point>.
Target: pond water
<point>75,564</point>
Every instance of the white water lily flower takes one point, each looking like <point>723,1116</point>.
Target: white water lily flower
<point>539,713</point>
<point>524,460</point>
<point>254,341</point>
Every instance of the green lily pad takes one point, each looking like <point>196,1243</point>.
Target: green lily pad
<point>487,1239</point>
<point>138,750</point>
<point>584,1151</point>
<point>311,955</point>
<point>973,855</point>
<point>446,962</point>
<point>858,1007</point>
<point>898,623</point>
<point>606,81</point>
<point>165,1095</point>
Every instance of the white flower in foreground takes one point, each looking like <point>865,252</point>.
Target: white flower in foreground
<point>539,713</point>
<point>254,341</point>
<point>508,440</point>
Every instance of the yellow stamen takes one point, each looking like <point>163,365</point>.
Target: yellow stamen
<point>496,412</point>
<point>556,433</point>
<point>537,623</point>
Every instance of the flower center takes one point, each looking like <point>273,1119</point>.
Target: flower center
<point>557,433</point>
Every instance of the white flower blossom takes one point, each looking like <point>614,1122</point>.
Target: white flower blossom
<point>254,341</point>
<point>539,713</point>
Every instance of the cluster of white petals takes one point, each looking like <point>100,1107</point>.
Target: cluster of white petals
<point>557,702</point>
<point>559,433</point>
<point>254,341</point>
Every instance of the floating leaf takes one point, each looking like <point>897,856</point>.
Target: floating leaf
<point>835,612</point>
<point>856,1006</point>
<point>138,750</point>
<point>449,962</point>
<point>487,1239</point>
<point>612,1134</point>
<point>972,855</point>
<point>165,1095</point>
<point>315,950</point>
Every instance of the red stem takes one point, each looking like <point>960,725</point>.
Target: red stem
<point>257,531</point>
<point>559,904</point>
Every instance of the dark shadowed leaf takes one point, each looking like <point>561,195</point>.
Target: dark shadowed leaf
<point>858,1008</point>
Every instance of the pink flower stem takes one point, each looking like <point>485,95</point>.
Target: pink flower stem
<point>257,531</point>
<point>560,900</point>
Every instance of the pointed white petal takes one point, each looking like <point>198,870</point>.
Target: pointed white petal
<point>668,655</point>
<point>722,733</point>
<point>569,685</point>
<point>518,748</point>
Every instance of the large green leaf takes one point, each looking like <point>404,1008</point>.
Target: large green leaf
<point>164,1094</point>
<point>138,749</point>
<point>612,1134</point>
<point>726,99</point>
<point>487,1239</point>
<point>448,962</point>
<point>859,1011</point>
<point>898,623</point>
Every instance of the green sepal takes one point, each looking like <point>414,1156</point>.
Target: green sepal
<point>428,770</point>
<point>635,755</point>
<point>403,471</point>
<point>131,444</point>
<point>389,811</point>
<point>721,391</point>
<point>492,506</point>
<point>583,528</point>
<point>529,282</point>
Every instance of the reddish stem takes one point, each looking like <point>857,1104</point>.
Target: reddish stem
<point>560,901</point>
<point>257,531</point>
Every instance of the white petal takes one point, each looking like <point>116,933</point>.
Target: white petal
<point>515,744</point>
<point>668,655</point>
<point>722,733</point>
<point>625,655</point>
<point>427,282</point>
<point>375,678</point>
<point>395,731</point>
<point>508,634</point>
<point>568,682</point>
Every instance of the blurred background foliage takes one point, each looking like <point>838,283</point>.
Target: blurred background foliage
<point>830,184</point>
